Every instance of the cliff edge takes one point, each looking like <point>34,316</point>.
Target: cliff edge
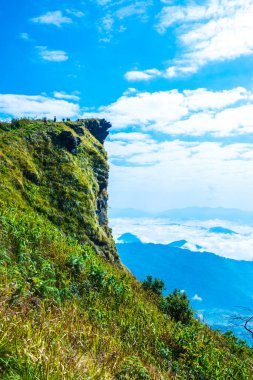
<point>60,171</point>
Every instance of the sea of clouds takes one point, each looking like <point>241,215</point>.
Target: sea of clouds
<point>238,246</point>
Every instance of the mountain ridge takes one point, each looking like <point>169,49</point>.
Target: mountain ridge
<point>220,283</point>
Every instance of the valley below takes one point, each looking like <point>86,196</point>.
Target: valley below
<point>210,260</point>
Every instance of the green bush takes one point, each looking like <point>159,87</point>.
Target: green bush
<point>76,264</point>
<point>155,285</point>
<point>133,369</point>
<point>177,305</point>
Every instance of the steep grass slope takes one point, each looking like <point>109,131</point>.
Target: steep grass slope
<point>68,309</point>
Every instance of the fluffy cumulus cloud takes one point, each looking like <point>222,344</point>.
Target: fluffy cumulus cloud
<point>130,136</point>
<point>145,151</point>
<point>13,105</point>
<point>215,31</point>
<point>153,176</point>
<point>184,148</point>
<point>190,112</point>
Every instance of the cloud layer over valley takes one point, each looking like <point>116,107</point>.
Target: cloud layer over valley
<point>196,233</point>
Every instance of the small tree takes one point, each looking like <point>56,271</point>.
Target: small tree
<point>155,285</point>
<point>177,305</point>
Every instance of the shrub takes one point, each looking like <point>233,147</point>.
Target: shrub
<point>133,369</point>
<point>177,305</point>
<point>19,123</point>
<point>155,285</point>
<point>76,264</point>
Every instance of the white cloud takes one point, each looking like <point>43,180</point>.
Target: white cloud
<point>231,121</point>
<point>190,112</point>
<point>238,247</point>
<point>52,55</point>
<point>106,25</point>
<point>63,95</point>
<point>218,30</point>
<point>104,2</point>
<point>152,174</point>
<point>141,151</point>
<point>126,8</point>
<point>183,68</point>
<point>37,105</point>
<point>130,136</point>
<point>139,8</point>
<point>75,12</point>
<point>24,36</point>
<point>196,298</point>
<point>116,13</point>
<point>155,176</point>
<point>136,75</point>
<point>53,18</point>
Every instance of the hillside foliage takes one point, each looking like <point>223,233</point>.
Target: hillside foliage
<point>68,308</point>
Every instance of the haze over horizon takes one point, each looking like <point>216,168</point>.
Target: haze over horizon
<point>174,79</point>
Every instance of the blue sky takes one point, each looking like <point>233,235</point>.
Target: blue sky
<point>173,77</point>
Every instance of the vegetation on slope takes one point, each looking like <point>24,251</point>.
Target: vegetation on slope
<point>51,170</point>
<point>68,309</point>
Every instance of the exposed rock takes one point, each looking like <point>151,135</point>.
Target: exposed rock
<point>67,140</point>
<point>102,208</point>
<point>98,128</point>
<point>79,130</point>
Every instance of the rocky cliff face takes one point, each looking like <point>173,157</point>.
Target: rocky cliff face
<point>98,128</point>
<point>61,171</point>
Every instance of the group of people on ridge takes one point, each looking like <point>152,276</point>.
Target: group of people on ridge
<point>55,119</point>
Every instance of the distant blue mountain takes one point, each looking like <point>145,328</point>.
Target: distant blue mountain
<point>183,244</point>
<point>222,230</point>
<point>208,213</point>
<point>211,282</point>
<point>128,238</point>
<point>178,243</point>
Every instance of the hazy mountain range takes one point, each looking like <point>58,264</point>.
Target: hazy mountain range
<point>189,213</point>
<point>216,286</point>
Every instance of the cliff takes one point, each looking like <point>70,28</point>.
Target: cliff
<point>59,171</point>
<point>68,308</point>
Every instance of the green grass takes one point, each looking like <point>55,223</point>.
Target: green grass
<point>68,309</point>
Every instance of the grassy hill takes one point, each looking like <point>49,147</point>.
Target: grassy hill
<point>68,308</point>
